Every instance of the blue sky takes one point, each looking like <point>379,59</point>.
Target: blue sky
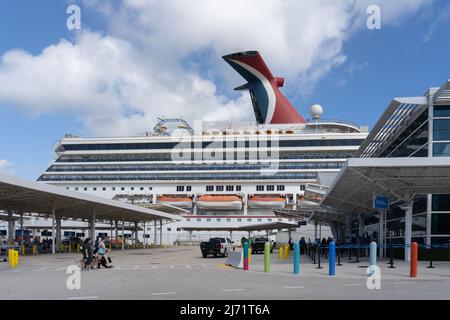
<point>404,58</point>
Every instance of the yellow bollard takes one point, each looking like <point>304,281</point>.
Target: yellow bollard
<point>22,249</point>
<point>286,252</point>
<point>110,246</point>
<point>249,256</point>
<point>70,247</point>
<point>78,247</point>
<point>16,260</point>
<point>34,249</point>
<point>61,248</point>
<point>10,257</point>
<point>281,253</point>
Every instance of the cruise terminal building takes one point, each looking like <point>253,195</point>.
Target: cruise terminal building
<point>405,160</point>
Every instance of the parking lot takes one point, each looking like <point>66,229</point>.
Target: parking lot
<point>182,273</point>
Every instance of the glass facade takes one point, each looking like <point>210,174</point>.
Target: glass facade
<point>412,142</point>
<point>441,130</point>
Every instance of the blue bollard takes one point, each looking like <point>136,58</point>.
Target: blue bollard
<point>373,256</point>
<point>332,267</point>
<point>296,257</point>
<point>246,255</point>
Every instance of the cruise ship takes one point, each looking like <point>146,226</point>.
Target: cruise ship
<point>220,175</point>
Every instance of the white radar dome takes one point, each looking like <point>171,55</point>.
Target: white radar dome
<point>316,111</point>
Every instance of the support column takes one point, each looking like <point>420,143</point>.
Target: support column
<point>381,231</point>
<point>316,229</point>
<point>123,235</point>
<point>111,230</point>
<point>117,230</point>
<point>361,225</point>
<point>93,226</point>
<point>21,229</point>
<point>144,239</point>
<point>429,221</point>
<point>160,232</point>
<point>408,230</point>
<point>245,204</point>
<point>155,232</point>
<point>53,229</point>
<point>58,233</point>
<point>231,235</point>
<point>136,237</point>
<point>11,227</point>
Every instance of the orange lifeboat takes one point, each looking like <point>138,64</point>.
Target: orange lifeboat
<point>180,202</point>
<point>272,202</point>
<point>219,202</point>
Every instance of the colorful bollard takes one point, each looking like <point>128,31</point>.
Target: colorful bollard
<point>281,253</point>
<point>332,259</point>
<point>286,252</point>
<point>245,255</point>
<point>267,257</point>
<point>297,257</point>
<point>414,258</point>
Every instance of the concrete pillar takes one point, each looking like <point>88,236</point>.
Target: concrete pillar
<point>429,221</point>
<point>381,229</point>
<point>231,235</point>
<point>92,227</point>
<point>155,232</point>
<point>11,227</point>
<point>316,229</point>
<point>160,232</point>
<point>190,236</point>
<point>53,229</point>
<point>58,238</point>
<point>21,229</point>
<point>136,237</point>
<point>361,225</point>
<point>408,230</point>
<point>111,230</point>
<point>117,230</point>
<point>154,199</point>
<point>245,204</point>
<point>123,235</point>
<point>144,238</point>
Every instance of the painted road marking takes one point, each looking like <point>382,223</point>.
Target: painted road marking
<point>232,290</point>
<point>163,293</point>
<point>299,287</point>
<point>404,282</point>
<point>83,298</point>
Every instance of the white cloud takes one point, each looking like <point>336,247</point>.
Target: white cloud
<point>118,84</point>
<point>6,166</point>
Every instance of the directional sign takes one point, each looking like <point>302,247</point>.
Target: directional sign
<point>381,202</point>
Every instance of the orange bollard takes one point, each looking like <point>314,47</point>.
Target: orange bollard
<point>414,258</point>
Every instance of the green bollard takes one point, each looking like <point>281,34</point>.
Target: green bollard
<point>267,257</point>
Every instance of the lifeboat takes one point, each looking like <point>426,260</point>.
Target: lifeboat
<point>270,202</point>
<point>184,203</point>
<point>219,202</point>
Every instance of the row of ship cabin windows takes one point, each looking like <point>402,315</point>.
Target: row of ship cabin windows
<point>112,188</point>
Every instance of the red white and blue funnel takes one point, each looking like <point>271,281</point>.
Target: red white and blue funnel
<point>269,104</point>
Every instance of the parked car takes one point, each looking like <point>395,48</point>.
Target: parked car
<point>259,243</point>
<point>216,247</point>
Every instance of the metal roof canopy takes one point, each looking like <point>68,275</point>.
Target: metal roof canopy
<point>307,214</point>
<point>398,178</point>
<point>255,227</point>
<point>19,195</point>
